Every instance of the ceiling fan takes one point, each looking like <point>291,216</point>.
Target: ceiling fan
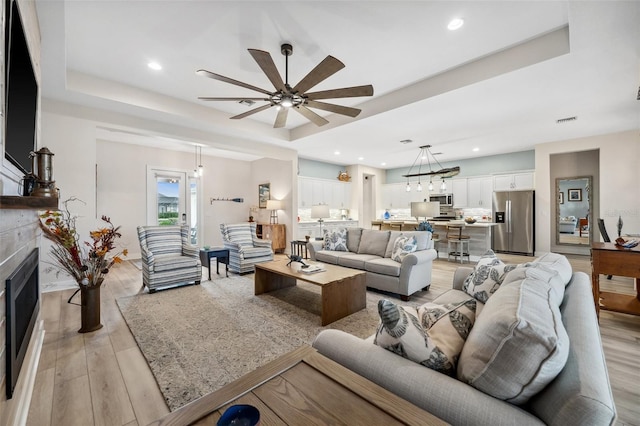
<point>297,98</point>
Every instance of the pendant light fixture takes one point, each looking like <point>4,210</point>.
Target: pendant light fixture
<point>425,153</point>
<point>200,166</point>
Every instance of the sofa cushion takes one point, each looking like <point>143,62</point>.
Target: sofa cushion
<point>356,261</point>
<point>393,235</point>
<point>335,240</point>
<point>251,252</point>
<point>457,296</point>
<point>422,237</point>
<point>486,277</point>
<point>238,233</point>
<point>383,266</point>
<point>328,256</point>
<point>432,335</point>
<point>403,246</point>
<point>172,262</point>
<point>373,242</point>
<point>353,239</point>
<point>519,344</point>
<point>559,263</point>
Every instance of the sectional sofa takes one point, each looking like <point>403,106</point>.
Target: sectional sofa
<point>372,251</point>
<point>533,357</point>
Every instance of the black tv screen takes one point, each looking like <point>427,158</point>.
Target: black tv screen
<point>22,93</point>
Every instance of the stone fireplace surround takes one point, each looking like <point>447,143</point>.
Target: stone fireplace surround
<point>19,235</point>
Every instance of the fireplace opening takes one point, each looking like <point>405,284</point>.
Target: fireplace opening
<point>23,290</point>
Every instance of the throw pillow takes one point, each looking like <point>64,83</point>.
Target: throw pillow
<point>519,344</point>
<point>486,277</point>
<point>335,240</point>
<point>402,247</point>
<point>433,335</point>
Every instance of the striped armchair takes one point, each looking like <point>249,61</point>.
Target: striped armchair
<point>168,258</point>
<point>245,248</point>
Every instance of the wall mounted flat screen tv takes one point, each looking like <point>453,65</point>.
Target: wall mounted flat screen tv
<point>22,93</point>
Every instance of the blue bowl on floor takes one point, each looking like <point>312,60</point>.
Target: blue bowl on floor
<point>241,415</point>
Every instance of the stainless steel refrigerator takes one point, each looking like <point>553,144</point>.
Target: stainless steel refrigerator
<point>513,211</point>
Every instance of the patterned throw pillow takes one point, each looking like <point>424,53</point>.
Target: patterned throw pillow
<point>335,240</point>
<point>432,335</point>
<point>402,247</point>
<point>486,277</point>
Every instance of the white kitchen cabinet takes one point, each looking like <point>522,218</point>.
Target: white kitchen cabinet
<point>305,193</point>
<point>480,192</point>
<point>312,192</point>
<point>459,191</point>
<point>513,182</point>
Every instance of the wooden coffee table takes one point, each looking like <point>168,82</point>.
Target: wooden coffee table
<point>344,291</point>
<point>302,388</point>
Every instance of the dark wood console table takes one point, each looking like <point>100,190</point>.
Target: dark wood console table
<point>221,254</point>
<point>609,259</point>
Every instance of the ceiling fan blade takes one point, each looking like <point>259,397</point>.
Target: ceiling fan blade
<point>207,98</point>
<point>281,119</point>
<point>311,116</point>
<point>219,77</point>
<point>251,112</point>
<point>338,109</point>
<point>324,69</point>
<point>265,62</point>
<point>345,92</point>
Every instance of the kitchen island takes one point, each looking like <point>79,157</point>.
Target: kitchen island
<point>480,233</point>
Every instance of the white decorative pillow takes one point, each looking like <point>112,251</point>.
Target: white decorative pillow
<point>433,335</point>
<point>335,240</point>
<point>486,277</point>
<point>402,247</point>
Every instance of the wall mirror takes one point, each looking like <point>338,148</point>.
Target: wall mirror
<point>574,220</point>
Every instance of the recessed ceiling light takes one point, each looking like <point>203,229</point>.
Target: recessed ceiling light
<point>360,158</point>
<point>336,153</point>
<point>383,164</point>
<point>476,149</point>
<point>154,66</point>
<point>455,23</point>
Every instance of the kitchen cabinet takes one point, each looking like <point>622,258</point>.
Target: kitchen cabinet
<point>395,195</point>
<point>480,192</point>
<point>335,194</point>
<point>275,232</point>
<point>514,181</point>
<point>460,193</point>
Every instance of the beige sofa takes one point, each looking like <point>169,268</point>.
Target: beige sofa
<point>580,394</point>
<point>371,250</point>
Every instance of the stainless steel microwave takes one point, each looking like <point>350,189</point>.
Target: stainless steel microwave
<point>443,199</point>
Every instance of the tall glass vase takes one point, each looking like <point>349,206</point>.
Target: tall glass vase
<point>90,308</point>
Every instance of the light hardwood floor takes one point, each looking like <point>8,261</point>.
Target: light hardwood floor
<point>102,378</point>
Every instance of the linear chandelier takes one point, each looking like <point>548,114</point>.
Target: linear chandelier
<point>425,153</point>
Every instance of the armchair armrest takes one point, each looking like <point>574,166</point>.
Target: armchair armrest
<point>147,258</point>
<point>190,250</point>
<point>257,242</point>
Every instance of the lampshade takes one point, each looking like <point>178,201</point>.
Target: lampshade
<point>274,205</point>
<point>425,209</point>
<point>320,211</point>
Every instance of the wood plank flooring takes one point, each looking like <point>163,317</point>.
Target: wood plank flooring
<point>102,378</point>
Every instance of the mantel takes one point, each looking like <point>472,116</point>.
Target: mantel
<point>28,203</point>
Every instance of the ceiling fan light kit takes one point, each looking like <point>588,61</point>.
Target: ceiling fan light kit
<point>286,97</point>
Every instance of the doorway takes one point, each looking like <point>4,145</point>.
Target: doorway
<point>173,199</point>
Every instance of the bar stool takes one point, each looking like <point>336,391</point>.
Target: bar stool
<point>456,238</point>
<point>436,239</point>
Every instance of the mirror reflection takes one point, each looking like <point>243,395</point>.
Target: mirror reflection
<point>575,223</point>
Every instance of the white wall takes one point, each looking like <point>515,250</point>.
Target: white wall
<point>120,189</point>
<point>619,188</point>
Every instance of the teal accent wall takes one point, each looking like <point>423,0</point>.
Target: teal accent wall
<point>318,169</point>
<point>502,163</point>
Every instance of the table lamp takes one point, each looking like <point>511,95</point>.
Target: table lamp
<point>425,209</point>
<point>274,206</point>
<point>320,212</point>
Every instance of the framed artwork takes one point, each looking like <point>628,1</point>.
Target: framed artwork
<point>264,193</point>
<point>575,194</point>
<point>561,197</point>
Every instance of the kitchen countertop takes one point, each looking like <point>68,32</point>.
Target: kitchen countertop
<point>479,224</point>
<point>315,222</point>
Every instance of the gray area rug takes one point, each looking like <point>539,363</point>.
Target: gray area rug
<point>199,338</point>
